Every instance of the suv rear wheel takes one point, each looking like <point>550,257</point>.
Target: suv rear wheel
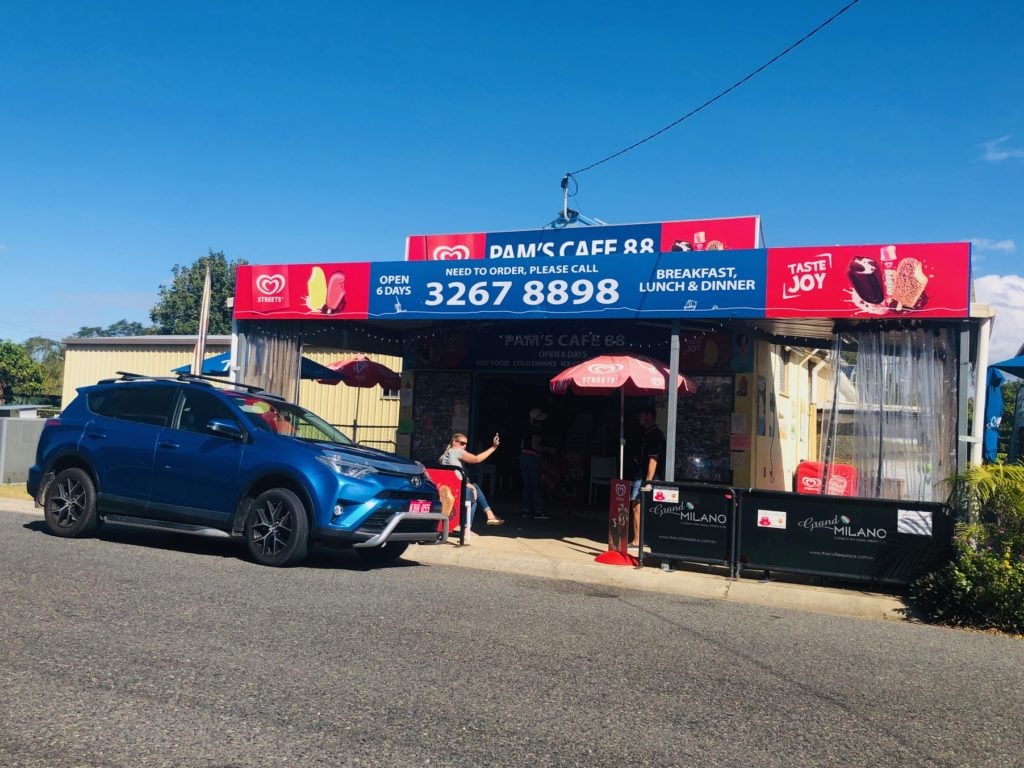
<point>277,530</point>
<point>70,504</point>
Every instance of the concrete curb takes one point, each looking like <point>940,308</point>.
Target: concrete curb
<point>24,506</point>
<point>572,559</point>
<point>814,599</point>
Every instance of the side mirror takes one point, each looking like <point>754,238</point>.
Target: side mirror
<point>225,428</point>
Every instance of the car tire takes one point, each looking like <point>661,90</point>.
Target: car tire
<point>383,554</point>
<point>69,506</point>
<point>277,530</point>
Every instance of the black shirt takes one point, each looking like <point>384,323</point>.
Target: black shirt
<point>653,446</point>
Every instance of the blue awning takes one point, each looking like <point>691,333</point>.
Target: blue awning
<point>218,365</point>
<point>1014,366</point>
<point>212,366</point>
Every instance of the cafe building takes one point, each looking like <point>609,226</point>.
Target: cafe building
<point>842,370</point>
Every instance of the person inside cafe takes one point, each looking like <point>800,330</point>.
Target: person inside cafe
<point>652,456</point>
<point>531,454</point>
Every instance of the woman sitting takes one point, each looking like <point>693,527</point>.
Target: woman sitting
<point>454,456</point>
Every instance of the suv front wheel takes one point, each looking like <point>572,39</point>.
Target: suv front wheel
<point>69,506</point>
<point>276,530</point>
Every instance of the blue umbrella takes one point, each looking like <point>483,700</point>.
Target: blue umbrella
<point>993,414</point>
<point>212,366</point>
<point>218,365</point>
<point>1014,366</point>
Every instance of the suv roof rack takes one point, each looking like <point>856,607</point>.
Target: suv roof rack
<point>207,381</point>
<point>250,388</point>
<point>128,376</point>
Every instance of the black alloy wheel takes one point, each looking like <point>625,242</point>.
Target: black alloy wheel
<point>277,530</point>
<point>69,506</point>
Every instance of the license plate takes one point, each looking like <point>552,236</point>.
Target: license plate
<point>420,506</point>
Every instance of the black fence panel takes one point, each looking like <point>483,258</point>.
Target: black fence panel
<point>876,540</point>
<point>689,521</point>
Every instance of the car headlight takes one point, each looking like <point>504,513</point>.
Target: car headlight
<point>346,466</point>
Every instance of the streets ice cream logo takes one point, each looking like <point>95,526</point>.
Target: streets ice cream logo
<point>887,284</point>
<point>325,296</point>
<point>450,253</point>
<point>604,369</point>
<point>610,374</point>
<point>598,374</point>
<point>842,528</point>
<point>270,288</point>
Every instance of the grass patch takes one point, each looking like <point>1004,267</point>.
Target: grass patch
<point>14,491</point>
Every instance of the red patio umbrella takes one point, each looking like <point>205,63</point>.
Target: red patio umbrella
<point>627,374</point>
<point>361,371</point>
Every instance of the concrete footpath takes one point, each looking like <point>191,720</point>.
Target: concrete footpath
<point>555,549</point>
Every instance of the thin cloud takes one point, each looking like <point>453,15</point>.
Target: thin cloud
<point>995,152</point>
<point>987,244</point>
<point>1005,294</point>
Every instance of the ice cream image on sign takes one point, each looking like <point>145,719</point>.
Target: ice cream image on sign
<point>866,279</point>
<point>325,296</point>
<point>909,283</point>
<point>888,284</point>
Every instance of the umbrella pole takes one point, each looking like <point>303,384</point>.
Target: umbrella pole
<point>355,417</point>
<point>622,433</point>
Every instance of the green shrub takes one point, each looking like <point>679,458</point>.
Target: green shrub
<point>983,585</point>
<point>981,588</point>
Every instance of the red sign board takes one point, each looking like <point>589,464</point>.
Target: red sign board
<point>842,479</point>
<point>618,516</point>
<point>866,281</point>
<point>849,281</point>
<point>303,291</point>
<point>735,233</point>
<point>449,489</point>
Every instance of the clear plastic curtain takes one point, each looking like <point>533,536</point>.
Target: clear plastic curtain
<point>893,411</point>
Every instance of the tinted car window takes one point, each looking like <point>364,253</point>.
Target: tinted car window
<point>199,408</point>
<point>147,405</point>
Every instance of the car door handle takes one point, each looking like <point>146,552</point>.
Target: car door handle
<point>97,435</point>
<point>169,444</point>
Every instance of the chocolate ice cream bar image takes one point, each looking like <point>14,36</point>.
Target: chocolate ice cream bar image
<point>909,282</point>
<point>866,278</point>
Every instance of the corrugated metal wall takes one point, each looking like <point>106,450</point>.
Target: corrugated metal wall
<point>87,364</point>
<point>269,358</point>
<point>376,415</point>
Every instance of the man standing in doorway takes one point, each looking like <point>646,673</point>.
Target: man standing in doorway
<point>652,452</point>
<point>530,455</point>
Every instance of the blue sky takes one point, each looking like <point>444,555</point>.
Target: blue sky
<point>136,136</point>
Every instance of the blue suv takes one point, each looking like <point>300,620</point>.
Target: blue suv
<point>181,455</point>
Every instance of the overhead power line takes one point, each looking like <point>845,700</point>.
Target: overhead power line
<point>731,88</point>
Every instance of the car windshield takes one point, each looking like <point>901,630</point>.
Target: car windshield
<point>290,420</point>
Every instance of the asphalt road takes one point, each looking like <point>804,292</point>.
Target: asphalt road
<point>146,650</point>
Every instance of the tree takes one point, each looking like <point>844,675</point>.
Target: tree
<point>41,349</point>
<point>120,328</point>
<point>181,301</point>
<point>18,373</point>
<point>49,355</point>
